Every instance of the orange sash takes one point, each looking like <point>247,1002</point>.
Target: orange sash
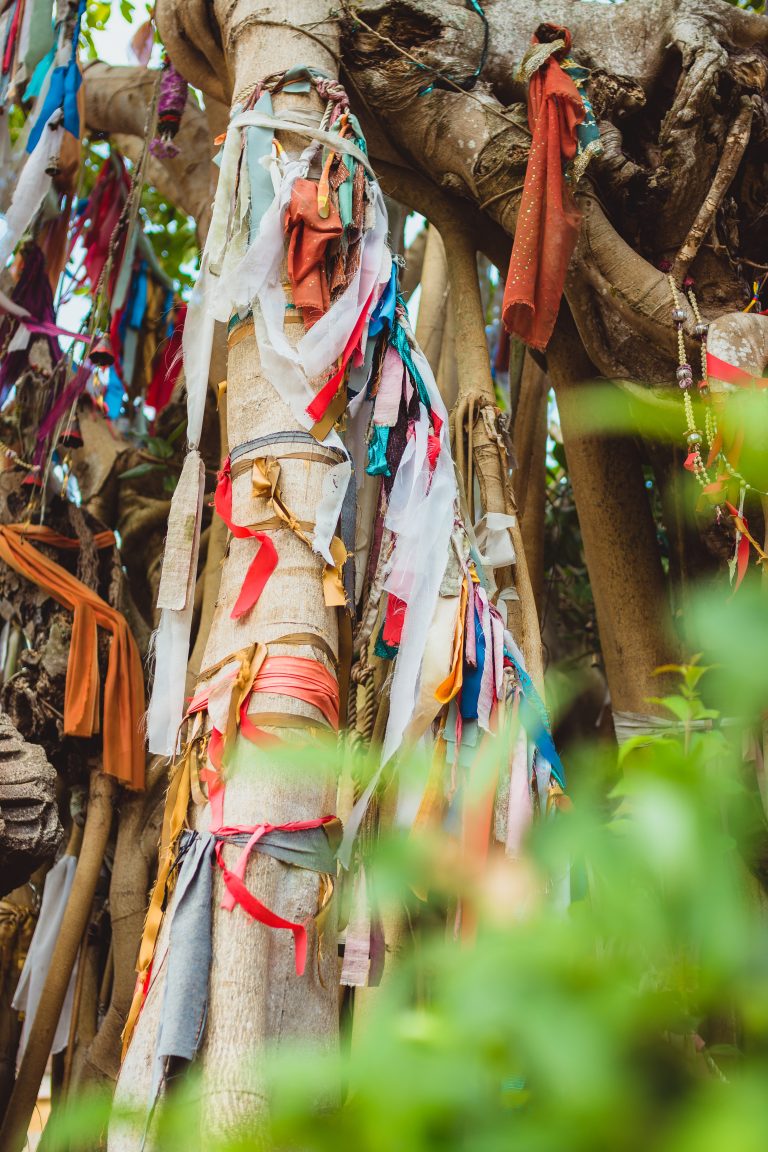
<point>123,755</point>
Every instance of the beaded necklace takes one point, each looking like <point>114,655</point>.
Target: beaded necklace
<point>694,439</point>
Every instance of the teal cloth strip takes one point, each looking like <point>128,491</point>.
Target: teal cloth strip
<point>258,145</point>
<point>377,451</point>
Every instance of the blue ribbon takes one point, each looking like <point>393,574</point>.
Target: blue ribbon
<point>259,144</point>
<point>39,74</point>
<point>384,312</point>
<point>62,93</point>
<point>399,341</point>
<point>113,397</point>
<point>535,720</point>
<point>472,677</point>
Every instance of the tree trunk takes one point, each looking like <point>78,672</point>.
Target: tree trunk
<point>98,822</point>
<point>260,1002</point>
<point>530,475</point>
<point>620,545</point>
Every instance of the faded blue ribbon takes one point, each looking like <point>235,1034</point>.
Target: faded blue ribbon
<point>62,93</point>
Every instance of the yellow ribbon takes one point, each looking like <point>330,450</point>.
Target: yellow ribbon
<point>265,483</point>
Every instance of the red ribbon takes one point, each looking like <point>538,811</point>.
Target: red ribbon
<point>10,43</point>
<point>731,374</point>
<point>394,621</point>
<point>264,562</point>
<point>742,548</point>
<point>238,893</point>
<point>319,406</point>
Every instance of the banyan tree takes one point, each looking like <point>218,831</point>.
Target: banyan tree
<point>347,536</point>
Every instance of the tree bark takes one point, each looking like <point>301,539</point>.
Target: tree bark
<point>620,544</point>
<point>98,823</point>
<point>530,475</point>
<point>433,304</point>
<point>265,992</point>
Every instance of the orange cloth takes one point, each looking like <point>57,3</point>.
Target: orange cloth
<point>309,236</point>
<point>548,223</point>
<point>124,688</point>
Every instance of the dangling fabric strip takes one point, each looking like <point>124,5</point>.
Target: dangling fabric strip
<point>124,689</point>
<point>265,561</point>
<point>62,91</point>
<point>321,402</point>
<point>174,819</point>
<point>238,893</point>
<point>548,221</point>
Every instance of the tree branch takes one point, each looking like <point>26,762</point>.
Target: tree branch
<point>116,102</point>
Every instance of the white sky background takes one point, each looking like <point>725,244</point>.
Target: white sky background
<point>112,43</point>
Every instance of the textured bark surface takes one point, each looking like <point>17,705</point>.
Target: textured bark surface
<point>30,829</point>
<point>259,1002</point>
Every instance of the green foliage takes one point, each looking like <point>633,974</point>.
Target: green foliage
<point>173,236</point>
<point>634,1017</point>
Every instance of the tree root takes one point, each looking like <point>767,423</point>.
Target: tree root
<point>735,146</point>
<point>98,823</point>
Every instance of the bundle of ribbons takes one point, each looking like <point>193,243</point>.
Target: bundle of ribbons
<point>421,587</point>
<point>146,316</point>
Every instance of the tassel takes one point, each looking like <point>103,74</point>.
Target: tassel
<point>170,109</point>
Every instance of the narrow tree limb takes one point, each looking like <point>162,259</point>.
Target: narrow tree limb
<point>474,380</point>
<point>734,149</point>
<point>410,275</point>
<point>116,101</point>
<point>530,474</point>
<point>134,862</point>
<point>98,822</point>
<point>434,300</point>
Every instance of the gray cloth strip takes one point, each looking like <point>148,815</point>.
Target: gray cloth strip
<point>629,724</point>
<point>294,437</point>
<point>309,848</point>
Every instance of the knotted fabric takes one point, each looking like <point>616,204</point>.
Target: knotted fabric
<point>265,561</point>
<point>123,755</point>
<point>309,236</point>
<point>548,223</point>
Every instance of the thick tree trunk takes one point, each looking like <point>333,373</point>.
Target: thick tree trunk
<point>620,545</point>
<point>97,827</point>
<point>259,1002</point>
